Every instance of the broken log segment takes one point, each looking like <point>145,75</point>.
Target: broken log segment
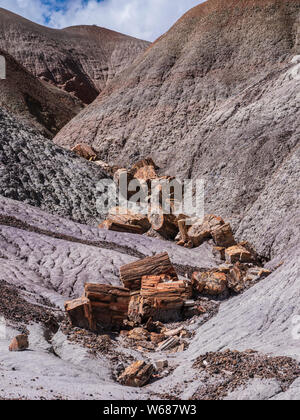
<point>223,236</point>
<point>168,344</point>
<point>145,173</point>
<point>148,164</point>
<point>79,312</point>
<point>131,274</point>
<point>165,224</point>
<point>212,282</point>
<point>123,215</point>
<point>136,375</point>
<point>163,300</point>
<point>153,288</point>
<point>202,229</point>
<point>238,253</point>
<point>109,305</point>
<point>115,226</point>
<point>183,230</point>
<point>198,233</point>
<point>19,343</point>
<point>236,278</point>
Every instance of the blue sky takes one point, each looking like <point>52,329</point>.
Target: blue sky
<point>146,19</point>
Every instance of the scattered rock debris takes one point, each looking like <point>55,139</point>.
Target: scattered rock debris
<point>14,308</point>
<point>224,372</point>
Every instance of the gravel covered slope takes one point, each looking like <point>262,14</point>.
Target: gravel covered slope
<point>35,171</point>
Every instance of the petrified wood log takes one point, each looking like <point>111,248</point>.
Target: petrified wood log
<point>199,232</point>
<point>238,253</point>
<point>127,217</point>
<point>162,299</point>
<point>137,374</point>
<point>223,236</point>
<point>79,312</point>
<point>19,343</point>
<point>115,226</point>
<point>122,178</point>
<point>165,224</point>
<point>144,169</point>
<point>202,230</point>
<point>134,313</point>
<point>236,278</point>
<point>183,230</point>
<point>131,274</point>
<point>109,305</point>
<point>211,282</point>
<point>146,173</point>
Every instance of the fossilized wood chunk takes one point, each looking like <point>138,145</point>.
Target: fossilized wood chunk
<point>183,230</point>
<point>146,165</point>
<point>165,224</point>
<point>144,172</point>
<point>257,273</point>
<point>115,226</point>
<point>136,375</point>
<point>139,334</point>
<point>19,343</point>
<point>131,274</point>
<point>122,178</point>
<point>157,338</point>
<point>163,301</point>
<point>150,282</point>
<point>125,216</point>
<point>198,282</point>
<point>219,251</point>
<point>223,236</point>
<point>109,305</point>
<point>238,253</point>
<point>168,344</point>
<point>236,278</point>
<point>202,230</point>
<point>85,151</point>
<point>134,314</point>
<point>211,282</point>
<point>199,232</point>
<point>79,312</point>
<point>154,288</point>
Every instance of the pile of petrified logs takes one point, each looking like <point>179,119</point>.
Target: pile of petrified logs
<point>123,220</point>
<point>167,224</point>
<point>156,291</point>
<point>151,290</point>
<point>228,277</point>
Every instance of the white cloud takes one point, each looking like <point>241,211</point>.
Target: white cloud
<point>146,19</point>
<point>34,10</point>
